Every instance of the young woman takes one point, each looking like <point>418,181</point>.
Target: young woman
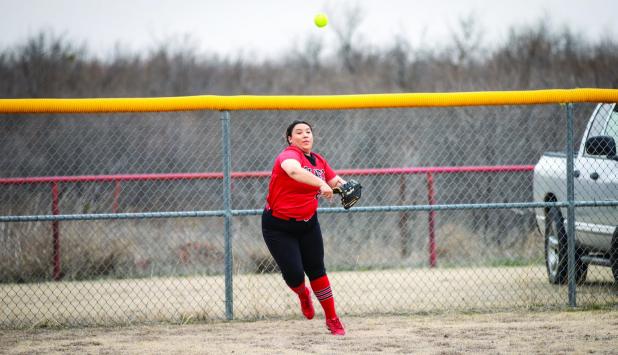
<point>290,223</point>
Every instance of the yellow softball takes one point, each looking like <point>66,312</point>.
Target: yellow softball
<point>320,20</point>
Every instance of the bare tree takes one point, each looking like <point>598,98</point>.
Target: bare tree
<point>399,56</point>
<point>468,41</point>
<point>346,26</point>
<point>306,58</point>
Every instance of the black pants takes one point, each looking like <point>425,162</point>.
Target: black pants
<point>296,246</point>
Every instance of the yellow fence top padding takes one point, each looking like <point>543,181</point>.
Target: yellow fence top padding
<point>307,102</point>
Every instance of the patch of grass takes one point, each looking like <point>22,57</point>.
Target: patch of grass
<point>186,319</point>
<point>47,323</point>
<point>608,306</point>
<point>516,262</point>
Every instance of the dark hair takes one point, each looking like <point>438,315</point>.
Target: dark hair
<point>288,132</point>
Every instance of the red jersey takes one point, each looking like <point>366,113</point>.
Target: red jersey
<point>290,198</point>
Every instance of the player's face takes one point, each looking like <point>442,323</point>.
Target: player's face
<point>302,137</point>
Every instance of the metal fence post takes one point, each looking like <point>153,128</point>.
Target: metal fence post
<point>116,196</point>
<point>56,274</point>
<point>404,233</point>
<point>431,221</point>
<point>571,208</point>
<point>227,206</point>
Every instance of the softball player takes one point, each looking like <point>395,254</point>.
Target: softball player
<point>290,223</point>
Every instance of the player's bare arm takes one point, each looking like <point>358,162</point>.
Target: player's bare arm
<point>337,181</point>
<point>293,168</point>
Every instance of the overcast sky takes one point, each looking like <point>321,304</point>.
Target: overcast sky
<point>265,28</point>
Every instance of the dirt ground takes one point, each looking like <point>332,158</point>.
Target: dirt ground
<point>572,332</point>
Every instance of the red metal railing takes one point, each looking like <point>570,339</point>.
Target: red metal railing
<point>55,181</point>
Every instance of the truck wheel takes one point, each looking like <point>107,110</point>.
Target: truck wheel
<point>613,257</point>
<point>556,257</point>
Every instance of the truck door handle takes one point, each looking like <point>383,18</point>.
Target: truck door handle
<point>594,176</point>
<point>576,173</point>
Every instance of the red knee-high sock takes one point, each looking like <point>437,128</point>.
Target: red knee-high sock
<point>304,295</point>
<point>321,289</point>
<point>300,289</point>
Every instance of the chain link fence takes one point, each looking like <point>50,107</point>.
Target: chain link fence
<point>121,218</point>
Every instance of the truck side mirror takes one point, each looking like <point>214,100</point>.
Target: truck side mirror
<point>601,145</point>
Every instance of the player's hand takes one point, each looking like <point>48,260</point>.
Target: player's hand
<point>326,191</point>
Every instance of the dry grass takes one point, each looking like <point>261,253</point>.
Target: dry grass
<point>179,300</point>
<point>177,247</point>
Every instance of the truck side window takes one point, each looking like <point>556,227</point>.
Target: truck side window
<point>600,120</point>
<point>612,126</point>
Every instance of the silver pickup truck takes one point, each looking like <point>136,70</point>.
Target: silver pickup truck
<point>596,179</point>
